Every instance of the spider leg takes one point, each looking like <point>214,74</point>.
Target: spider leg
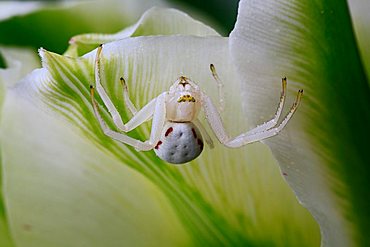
<point>157,125</point>
<point>264,126</point>
<point>126,97</point>
<point>220,86</point>
<point>218,128</point>
<point>274,121</point>
<point>103,95</point>
<point>250,137</point>
<point>137,119</point>
<point>204,133</point>
<point>140,117</point>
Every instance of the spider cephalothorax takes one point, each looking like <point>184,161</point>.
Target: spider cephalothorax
<point>183,101</point>
<point>177,134</point>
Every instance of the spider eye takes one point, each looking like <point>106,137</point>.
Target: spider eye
<point>186,98</point>
<point>183,83</point>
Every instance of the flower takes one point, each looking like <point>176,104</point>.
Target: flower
<point>66,184</point>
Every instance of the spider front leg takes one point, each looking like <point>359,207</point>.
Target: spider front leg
<point>269,124</point>
<point>256,134</point>
<point>136,120</point>
<point>155,108</point>
<point>103,95</point>
<point>126,97</point>
<point>220,87</point>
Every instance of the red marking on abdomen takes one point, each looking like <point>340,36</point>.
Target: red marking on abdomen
<point>194,133</point>
<point>170,129</point>
<point>200,143</point>
<point>157,146</point>
<point>285,174</point>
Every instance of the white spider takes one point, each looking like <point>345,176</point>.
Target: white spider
<point>176,134</point>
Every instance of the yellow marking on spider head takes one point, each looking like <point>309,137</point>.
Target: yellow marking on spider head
<point>186,98</point>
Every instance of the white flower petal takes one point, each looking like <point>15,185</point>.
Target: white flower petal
<point>10,9</point>
<point>322,151</point>
<point>222,198</point>
<point>19,62</point>
<point>155,21</point>
<point>62,190</point>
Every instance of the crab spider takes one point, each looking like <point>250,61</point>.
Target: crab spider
<point>176,133</point>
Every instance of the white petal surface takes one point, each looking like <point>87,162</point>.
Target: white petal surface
<point>155,21</point>
<point>18,63</point>
<point>13,8</point>
<point>300,40</point>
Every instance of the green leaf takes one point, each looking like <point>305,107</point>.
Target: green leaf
<point>324,151</point>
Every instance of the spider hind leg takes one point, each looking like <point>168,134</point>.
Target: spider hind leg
<point>261,132</point>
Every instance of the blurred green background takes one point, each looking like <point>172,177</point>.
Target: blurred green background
<point>25,30</point>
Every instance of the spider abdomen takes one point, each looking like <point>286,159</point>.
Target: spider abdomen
<point>179,143</point>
